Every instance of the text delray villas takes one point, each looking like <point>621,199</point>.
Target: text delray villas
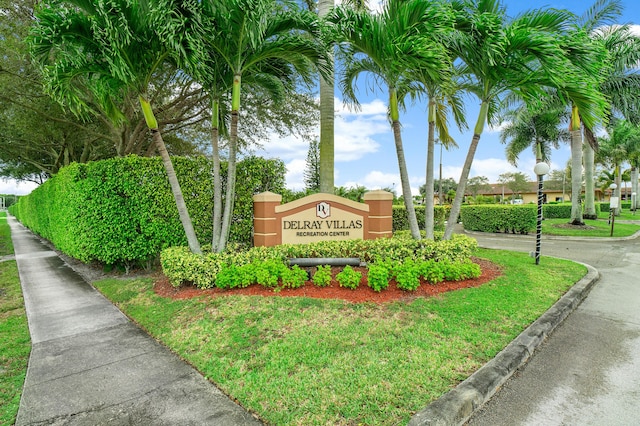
<point>321,224</point>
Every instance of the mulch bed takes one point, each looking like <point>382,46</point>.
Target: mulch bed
<point>362,294</point>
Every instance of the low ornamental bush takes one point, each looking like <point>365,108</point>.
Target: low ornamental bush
<point>386,258</point>
<point>349,277</point>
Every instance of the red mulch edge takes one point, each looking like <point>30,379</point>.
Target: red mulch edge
<point>362,294</point>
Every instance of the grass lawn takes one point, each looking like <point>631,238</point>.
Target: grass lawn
<point>302,361</point>
<point>15,343</point>
<point>601,228</point>
<point>625,214</point>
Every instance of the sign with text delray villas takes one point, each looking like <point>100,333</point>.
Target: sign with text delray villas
<point>320,217</point>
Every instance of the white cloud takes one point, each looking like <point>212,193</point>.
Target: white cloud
<point>11,186</point>
<point>377,180</point>
<point>354,133</point>
<point>496,129</point>
<point>492,168</point>
<point>295,174</point>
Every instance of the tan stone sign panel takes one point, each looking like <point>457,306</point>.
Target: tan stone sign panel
<point>321,217</point>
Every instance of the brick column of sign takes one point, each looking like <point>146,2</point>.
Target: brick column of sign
<point>380,214</point>
<point>265,230</point>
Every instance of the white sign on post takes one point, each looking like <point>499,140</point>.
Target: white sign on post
<point>613,203</point>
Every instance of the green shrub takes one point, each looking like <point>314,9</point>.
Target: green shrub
<point>349,278</point>
<point>408,276</point>
<point>499,218</point>
<point>378,276</point>
<point>269,272</point>
<point>269,264</point>
<point>556,211</point>
<point>605,207</point>
<point>432,271</point>
<point>294,277</point>
<point>322,277</point>
<point>121,211</point>
<point>401,219</point>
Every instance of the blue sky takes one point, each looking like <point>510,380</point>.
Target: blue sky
<point>365,153</point>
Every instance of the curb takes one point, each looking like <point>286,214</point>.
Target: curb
<point>554,237</point>
<point>456,406</point>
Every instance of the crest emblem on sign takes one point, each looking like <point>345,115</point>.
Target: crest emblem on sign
<point>323,210</point>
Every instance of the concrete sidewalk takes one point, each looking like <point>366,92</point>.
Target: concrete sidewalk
<point>89,365</point>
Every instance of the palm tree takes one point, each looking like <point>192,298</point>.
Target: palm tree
<point>389,45</point>
<point>622,144</point>
<point>619,79</point>
<point>444,99</point>
<point>327,104</point>
<point>536,130</point>
<point>519,56</point>
<point>262,40</point>
<point>106,49</point>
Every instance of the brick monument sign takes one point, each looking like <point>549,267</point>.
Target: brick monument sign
<point>320,217</point>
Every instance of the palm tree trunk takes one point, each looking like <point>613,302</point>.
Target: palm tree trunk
<point>466,169</point>
<point>589,186</point>
<point>231,165</point>
<point>576,177</point>
<point>402,165</point>
<point>217,181</point>
<point>326,137</point>
<point>326,119</point>
<point>429,190</point>
<point>183,213</point>
<point>576,167</point>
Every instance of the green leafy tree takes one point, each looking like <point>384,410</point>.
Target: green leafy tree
<point>106,49</point>
<point>312,170</point>
<point>447,184</point>
<point>517,182</point>
<point>478,184</point>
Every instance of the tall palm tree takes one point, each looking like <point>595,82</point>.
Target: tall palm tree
<point>502,55</point>
<point>268,42</point>
<point>327,102</point>
<point>390,44</point>
<point>619,78</point>
<point>106,49</point>
<point>444,99</point>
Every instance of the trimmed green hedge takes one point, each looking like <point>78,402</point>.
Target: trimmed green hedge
<point>604,207</point>
<point>557,211</point>
<point>121,211</point>
<point>499,218</point>
<point>401,219</point>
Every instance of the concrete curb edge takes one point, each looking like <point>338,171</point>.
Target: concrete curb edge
<point>456,406</point>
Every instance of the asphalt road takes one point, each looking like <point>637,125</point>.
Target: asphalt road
<point>588,371</point>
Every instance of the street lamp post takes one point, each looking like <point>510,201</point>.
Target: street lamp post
<point>540,170</point>
<point>613,205</point>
